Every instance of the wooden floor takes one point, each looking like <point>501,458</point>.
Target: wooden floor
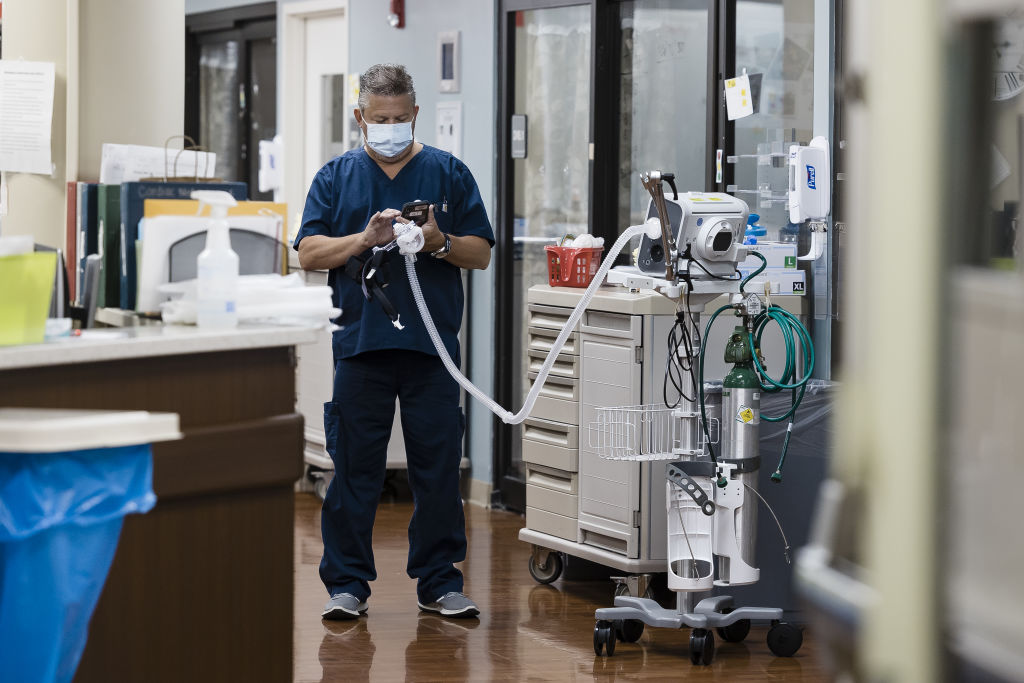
<point>525,632</point>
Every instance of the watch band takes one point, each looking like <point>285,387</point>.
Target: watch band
<point>445,250</point>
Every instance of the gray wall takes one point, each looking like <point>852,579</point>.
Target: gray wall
<point>374,41</point>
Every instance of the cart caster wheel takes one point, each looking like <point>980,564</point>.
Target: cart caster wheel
<point>550,571</point>
<point>784,639</point>
<point>623,589</point>
<point>702,646</point>
<point>734,632</point>
<point>604,637</point>
<point>628,630</point>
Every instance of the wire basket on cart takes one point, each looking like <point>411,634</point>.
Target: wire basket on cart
<point>644,432</point>
<point>572,266</point>
<point>657,432</point>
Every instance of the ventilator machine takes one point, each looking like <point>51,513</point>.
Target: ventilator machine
<point>691,246</point>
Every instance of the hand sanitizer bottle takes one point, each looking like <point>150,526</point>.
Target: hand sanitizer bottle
<point>217,265</point>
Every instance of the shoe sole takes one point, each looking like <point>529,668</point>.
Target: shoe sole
<point>341,614</point>
<point>462,614</point>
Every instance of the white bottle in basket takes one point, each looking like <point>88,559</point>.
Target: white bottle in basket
<point>217,266</point>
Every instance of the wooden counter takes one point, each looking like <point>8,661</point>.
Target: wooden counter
<point>201,587</point>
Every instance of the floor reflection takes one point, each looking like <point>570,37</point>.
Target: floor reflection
<point>440,639</point>
<point>526,631</point>
<point>354,639</point>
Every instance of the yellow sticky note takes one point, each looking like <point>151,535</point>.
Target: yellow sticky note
<point>26,281</point>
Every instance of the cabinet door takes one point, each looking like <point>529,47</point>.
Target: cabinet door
<point>609,495</point>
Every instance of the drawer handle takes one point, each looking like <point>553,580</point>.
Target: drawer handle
<point>550,482</point>
<point>545,344</point>
<point>549,436</point>
<point>550,322</point>
<point>555,391</point>
<point>607,332</point>
<point>559,367</point>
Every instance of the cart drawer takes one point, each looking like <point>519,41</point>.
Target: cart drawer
<point>551,432</point>
<point>549,317</point>
<point>544,454</point>
<point>554,479</point>
<point>558,400</point>
<point>565,365</point>
<point>564,411</point>
<point>542,339</point>
<point>617,325</point>
<point>562,388</point>
<point>551,523</point>
<point>547,500</point>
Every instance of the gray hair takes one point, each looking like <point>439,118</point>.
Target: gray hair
<point>386,80</point>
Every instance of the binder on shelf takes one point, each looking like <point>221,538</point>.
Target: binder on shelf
<point>88,228</point>
<point>133,197</point>
<point>71,247</point>
<point>108,206</point>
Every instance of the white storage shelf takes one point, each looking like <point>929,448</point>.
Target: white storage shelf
<point>577,502</point>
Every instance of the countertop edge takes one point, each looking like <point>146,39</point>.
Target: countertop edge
<point>143,342</point>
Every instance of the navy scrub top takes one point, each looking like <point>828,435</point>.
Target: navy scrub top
<point>345,193</point>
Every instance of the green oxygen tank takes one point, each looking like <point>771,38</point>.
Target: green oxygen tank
<point>741,417</point>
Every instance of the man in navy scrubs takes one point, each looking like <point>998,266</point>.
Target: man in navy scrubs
<point>351,207</point>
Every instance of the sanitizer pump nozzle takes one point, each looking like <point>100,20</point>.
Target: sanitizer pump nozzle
<point>217,265</point>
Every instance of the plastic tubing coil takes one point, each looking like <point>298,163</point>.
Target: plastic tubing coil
<point>506,416</point>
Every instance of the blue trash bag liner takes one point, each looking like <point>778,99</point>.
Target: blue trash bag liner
<point>60,519</point>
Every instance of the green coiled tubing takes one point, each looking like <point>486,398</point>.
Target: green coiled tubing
<point>793,331</point>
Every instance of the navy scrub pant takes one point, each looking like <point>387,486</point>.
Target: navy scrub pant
<point>357,426</point>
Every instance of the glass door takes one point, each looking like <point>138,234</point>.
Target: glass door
<point>667,79</point>
<point>231,88</point>
<point>548,185</point>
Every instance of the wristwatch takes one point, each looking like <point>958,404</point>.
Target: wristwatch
<point>445,250</point>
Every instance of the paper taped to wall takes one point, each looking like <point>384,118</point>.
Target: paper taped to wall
<point>26,116</point>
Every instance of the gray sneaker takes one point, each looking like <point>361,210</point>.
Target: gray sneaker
<point>452,604</point>
<point>343,606</point>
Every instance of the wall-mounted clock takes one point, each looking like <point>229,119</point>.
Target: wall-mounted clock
<point>1008,58</point>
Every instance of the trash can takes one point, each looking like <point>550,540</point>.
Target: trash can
<point>67,479</point>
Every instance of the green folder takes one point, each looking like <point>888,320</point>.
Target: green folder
<point>26,281</point>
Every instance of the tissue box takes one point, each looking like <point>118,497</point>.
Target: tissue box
<point>778,254</point>
<point>783,280</point>
<point>26,281</point>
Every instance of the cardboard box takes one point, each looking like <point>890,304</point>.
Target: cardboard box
<point>779,255</point>
<point>783,280</point>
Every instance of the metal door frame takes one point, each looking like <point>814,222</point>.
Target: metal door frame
<point>511,491</point>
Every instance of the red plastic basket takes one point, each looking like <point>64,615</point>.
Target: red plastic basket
<point>572,266</point>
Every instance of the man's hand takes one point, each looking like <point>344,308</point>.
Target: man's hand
<point>432,236</point>
<point>378,231</point>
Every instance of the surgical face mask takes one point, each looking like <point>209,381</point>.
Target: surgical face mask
<point>389,139</point>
